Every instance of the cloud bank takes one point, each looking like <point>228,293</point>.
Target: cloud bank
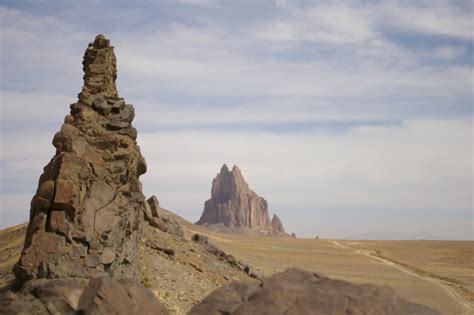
<point>347,117</point>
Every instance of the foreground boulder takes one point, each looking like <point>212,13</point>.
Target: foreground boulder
<point>295,292</point>
<point>84,218</point>
<point>234,206</point>
<point>103,295</point>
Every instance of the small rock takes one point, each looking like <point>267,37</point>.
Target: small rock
<point>108,256</point>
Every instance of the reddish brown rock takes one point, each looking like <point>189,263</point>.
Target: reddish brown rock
<point>295,292</point>
<point>84,218</point>
<point>234,205</point>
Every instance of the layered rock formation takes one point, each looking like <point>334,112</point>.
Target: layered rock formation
<point>235,205</point>
<point>295,292</point>
<point>84,218</point>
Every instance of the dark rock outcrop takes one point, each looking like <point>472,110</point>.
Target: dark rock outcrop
<point>300,292</point>
<point>84,218</point>
<point>103,295</point>
<point>234,205</point>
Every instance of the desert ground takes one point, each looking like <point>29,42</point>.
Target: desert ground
<point>438,274</point>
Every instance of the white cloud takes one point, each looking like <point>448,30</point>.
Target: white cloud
<point>336,24</point>
<point>32,109</point>
<point>448,52</point>
<point>419,164</point>
<point>324,65</point>
<point>432,17</point>
<point>346,22</point>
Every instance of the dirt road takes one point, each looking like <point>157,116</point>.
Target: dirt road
<point>466,305</point>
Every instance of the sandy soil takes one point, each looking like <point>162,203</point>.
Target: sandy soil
<point>456,289</point>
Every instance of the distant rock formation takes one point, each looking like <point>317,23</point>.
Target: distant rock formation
<point>277,225</point>
<point>84,218</point>
<point>296,291</point>
<point>234,205</point>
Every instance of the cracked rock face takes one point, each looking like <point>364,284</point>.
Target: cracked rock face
<point>84,218</point>
<point>234,204</point>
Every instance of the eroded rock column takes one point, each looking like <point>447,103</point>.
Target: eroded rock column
<point>84,217</point>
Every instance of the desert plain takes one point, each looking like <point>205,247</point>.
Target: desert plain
<point>439,274</point>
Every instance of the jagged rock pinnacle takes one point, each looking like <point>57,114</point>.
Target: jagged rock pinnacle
<point>237,207</point>
<point>233,203</point>
<point>84,218</point>
<point>100,71</point>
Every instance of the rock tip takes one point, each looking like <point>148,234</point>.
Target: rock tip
<point>235,168</point>
<point>225,168</point>
<point>100,41</point>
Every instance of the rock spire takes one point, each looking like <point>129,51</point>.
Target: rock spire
<point>234,204</point>
<point>84,217</point>
<point>277,225</point>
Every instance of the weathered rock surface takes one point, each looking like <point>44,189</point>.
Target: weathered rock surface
<point>300,292</point>
<point>84,218</point>
<point>230,259</point>
<point>158,218</point>
<point>235,205</point>
<point>103,295</point>
<point>277,225</point>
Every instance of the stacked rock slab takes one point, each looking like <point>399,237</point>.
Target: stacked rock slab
<point>234,205</point>
<point>84,218</point>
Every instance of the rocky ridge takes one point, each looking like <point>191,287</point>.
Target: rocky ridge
<point>234,207</point>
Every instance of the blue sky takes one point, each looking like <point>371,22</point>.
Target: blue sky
<point>350,117</point>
